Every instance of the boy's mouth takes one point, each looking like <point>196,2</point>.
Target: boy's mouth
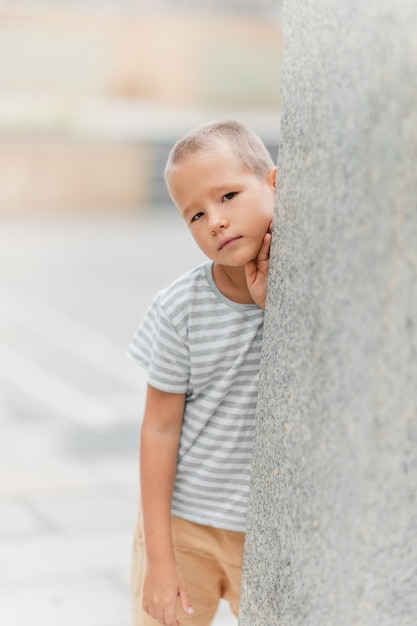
<point>227,241</point>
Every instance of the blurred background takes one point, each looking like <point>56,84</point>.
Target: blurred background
<point>94,93</point>
<point>92,96</point>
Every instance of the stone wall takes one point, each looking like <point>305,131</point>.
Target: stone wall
<point>332,524</point>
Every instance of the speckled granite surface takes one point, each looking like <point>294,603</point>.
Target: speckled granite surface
<point>332,525</point>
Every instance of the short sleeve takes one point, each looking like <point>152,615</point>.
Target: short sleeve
<point>162,350</point>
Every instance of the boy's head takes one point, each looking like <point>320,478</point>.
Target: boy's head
<point>222,179</point>
<point>243,142</point>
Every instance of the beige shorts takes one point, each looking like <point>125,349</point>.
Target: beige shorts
<point>210,560</point>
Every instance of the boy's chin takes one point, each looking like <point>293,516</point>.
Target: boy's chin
<point>236,264</point>
<point>239,259</point>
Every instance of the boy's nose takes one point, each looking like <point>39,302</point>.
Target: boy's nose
<point>218,220</point>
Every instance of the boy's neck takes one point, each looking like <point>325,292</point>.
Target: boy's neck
<point>231,281</point>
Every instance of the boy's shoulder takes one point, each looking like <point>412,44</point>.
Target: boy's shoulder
<point>193,281</point>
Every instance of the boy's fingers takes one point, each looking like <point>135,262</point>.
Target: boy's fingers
<point>252,267</point>
<point>169,618</point>
<point>185,602</point>
<point>250,271</point>
<point>263,254</point>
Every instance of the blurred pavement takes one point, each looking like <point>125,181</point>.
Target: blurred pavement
<point>72,294</point>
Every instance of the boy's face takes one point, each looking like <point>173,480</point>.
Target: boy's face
<point>227,208</point>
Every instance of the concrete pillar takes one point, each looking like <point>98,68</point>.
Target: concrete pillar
<point>332,523</point>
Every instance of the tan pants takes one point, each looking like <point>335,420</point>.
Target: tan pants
<point>210,560</point>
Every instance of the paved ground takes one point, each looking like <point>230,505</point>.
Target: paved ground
<point>72,293</point>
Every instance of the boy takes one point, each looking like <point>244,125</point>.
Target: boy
<point>200,342</point>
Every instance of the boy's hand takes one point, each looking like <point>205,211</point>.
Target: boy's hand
<point>256,271</point>
<point>163,586</point>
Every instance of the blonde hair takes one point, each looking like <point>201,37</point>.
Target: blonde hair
<point>248,148</point>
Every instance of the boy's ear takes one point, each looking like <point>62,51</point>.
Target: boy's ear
<point>272,177</point>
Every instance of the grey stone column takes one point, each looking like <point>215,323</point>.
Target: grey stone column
<point>332,523</point>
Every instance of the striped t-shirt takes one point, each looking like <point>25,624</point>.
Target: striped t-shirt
<point>194,340</point>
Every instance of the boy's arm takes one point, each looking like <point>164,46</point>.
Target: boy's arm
<point>160,438</point>
<point>256,272</point>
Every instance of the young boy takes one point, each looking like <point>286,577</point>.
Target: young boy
<point>200,342</point>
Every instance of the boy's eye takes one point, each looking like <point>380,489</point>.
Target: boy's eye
<point>229,196</point>
<point>196,216</point>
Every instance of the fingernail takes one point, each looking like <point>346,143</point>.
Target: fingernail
<point>190,610</point>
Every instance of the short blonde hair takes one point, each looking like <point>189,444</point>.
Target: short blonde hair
<point>248,148</point>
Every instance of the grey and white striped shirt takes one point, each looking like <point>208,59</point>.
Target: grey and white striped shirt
<point>194,340</point>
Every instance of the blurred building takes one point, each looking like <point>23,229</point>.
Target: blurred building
<point>93,93</point>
